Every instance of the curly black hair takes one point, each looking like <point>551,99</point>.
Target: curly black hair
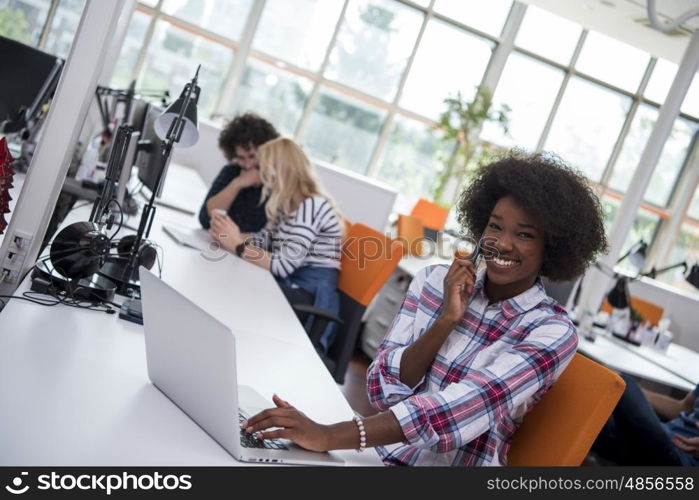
<point>557,194</point>
<point>244,130</point>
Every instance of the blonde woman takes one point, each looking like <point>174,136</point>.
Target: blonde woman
<point>301,243</point>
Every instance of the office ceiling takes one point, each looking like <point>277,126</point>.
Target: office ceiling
<point>627,21</point>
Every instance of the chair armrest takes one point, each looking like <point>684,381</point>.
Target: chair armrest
<point>317,311</point>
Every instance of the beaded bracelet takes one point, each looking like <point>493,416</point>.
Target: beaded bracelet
<point>362,433</point>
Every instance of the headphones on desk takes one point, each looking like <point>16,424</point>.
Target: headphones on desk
<point>147,253</point>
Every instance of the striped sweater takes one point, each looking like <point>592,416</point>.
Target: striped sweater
<point>310,236</point>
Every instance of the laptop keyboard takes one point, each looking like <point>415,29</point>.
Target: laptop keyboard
<point>250,441</point>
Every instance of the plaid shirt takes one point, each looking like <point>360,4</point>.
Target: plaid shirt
<point>494,366</point>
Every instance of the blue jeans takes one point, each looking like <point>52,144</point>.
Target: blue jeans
<point>634,435</point>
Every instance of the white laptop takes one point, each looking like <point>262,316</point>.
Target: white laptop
<point>191,359</point>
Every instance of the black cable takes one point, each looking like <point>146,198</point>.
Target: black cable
<point>121,218</point>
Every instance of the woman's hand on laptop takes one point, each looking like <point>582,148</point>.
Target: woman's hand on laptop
<point>291,424</point>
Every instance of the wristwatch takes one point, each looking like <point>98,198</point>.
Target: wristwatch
<point>240,248</point>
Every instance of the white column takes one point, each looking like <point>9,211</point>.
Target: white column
<point>596,283</point>
<point>51,159</point>
<point>235,75</point>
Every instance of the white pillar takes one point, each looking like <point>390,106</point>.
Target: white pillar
<point>596,283</point>
<point>51,159</point>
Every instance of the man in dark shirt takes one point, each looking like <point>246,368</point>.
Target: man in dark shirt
<point>237,188</point>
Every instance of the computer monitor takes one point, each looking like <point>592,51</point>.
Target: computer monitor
<point>149,159</point>
<point>27,80</point>
<point>561,291</point>
<point>139,112</point>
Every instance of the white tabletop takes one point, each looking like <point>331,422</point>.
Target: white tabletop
<point>75,386</point>
<point>621,356</point>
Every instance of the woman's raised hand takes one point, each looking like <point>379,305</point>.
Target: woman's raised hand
<point>458,284</point>
<point>225,231</point>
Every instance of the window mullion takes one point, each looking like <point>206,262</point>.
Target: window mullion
<point>315,93</point>
<point>561,91</point>
<point>388,123</point>
<point>235,74</point>
<point>682,199</point>
<point>46,29</point>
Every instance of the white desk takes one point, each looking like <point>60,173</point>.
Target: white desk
<point>615,355</point>
<point>75,388</point>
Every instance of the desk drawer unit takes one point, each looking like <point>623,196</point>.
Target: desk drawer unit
<point>387,305</point>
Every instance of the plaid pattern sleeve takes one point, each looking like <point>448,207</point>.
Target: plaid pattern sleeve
<point>383,376</point>
<point>463,411</point>
<point>493,367</point>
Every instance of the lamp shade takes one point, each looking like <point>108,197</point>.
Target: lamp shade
<point>638,256</point>
<point>693,276</point>
<point>618,297</point>
<point>190,133</point>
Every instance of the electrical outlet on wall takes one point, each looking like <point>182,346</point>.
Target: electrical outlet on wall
<point>14,258</point>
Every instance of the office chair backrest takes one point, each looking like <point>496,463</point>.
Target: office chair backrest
<point>431,215</point>
<point>410,233</point>
<point>368,259</point>
<point>648,310</point>
<point>562,426</point>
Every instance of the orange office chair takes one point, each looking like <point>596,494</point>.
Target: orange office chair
<point>648,310</point>
<point>431,215</point>
<point>368,259</point>
<point>562,426</point>
<point>410,233</point>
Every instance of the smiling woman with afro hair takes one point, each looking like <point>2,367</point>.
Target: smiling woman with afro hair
<point>472,348</point>
<point>568,211</point>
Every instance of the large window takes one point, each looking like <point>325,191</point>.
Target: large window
<point>530,100</point>
<point>278,96</point>
<point>660,80</point>
<point>23,20</point>
<point>694,205</point>
<point>488,17</point>
<point>645,227</point>
<point>173,58</point>
<point>126,65</point>
<point>448,60</point>
<point>686,249</point>
<point>548,35</point>
<point>412,160</point>
<point>634,143</point>
<point>601,58</point>
<point>343,130</point>
<point>297,32</point>
<point>373,46</point>
<point>65,24</point>
<point>670,163</point>
<point>587,126</point>
<point>223,17</point>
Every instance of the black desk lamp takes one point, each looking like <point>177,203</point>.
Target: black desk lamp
<point>81,251</point>
<point>177,125</point>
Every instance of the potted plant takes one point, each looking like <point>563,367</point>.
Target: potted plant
<point>460,124</point>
